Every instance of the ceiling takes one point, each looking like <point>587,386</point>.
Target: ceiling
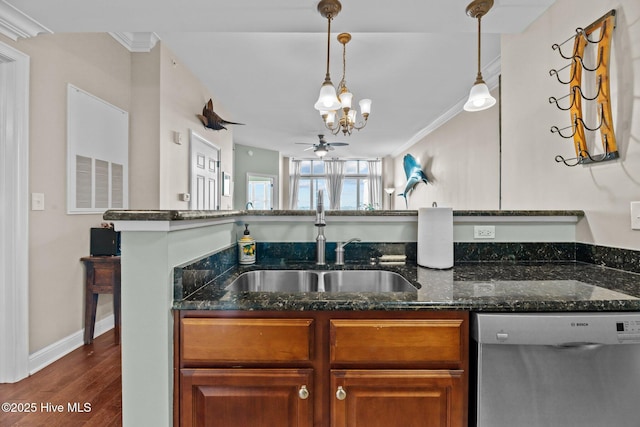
<point>264,62</point>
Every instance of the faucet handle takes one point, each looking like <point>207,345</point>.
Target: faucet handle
<point>341,245</point>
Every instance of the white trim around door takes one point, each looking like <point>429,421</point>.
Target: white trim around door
<point>14,214</point>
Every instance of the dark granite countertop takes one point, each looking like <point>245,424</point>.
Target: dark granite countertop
<point>526,287</point>
<point>179,215</point>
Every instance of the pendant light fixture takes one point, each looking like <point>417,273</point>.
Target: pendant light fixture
<point>328,100</point>
<point>479,98</point>
<point>344,118</point>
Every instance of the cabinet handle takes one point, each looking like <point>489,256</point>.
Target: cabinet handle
<point>341,394</point>
<point>303,393</point>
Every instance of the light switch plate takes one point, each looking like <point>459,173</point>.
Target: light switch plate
<point>37,201</point>
<point>484,232</point>
<point>635,215</point>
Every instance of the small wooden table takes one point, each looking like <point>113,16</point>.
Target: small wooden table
<point>102,277</point>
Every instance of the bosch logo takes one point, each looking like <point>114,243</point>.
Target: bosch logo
<point>579,324</point>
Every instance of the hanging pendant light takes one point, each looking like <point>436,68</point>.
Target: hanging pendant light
<point>328,100</point>
<point>479,98</point>
<point>344,118</point>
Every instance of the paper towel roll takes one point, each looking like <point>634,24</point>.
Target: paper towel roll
<point>435,237</point>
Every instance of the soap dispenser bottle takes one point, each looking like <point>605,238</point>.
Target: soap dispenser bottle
<point>246,248</point>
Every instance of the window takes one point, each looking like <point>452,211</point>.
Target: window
<point>97,154</point>
<point>355,188</point>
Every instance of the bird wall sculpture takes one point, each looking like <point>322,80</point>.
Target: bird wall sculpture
<point>414,174</point>
<point>211,120</point>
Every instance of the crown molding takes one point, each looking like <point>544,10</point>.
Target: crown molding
<point>491,74</point>
<point>136,42</point>
<point>15,24</point>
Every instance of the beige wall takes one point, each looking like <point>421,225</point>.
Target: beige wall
<point>161,96</point>
<point>99,65</point>
<point>531,178</point>
<point>182,97</point>
<point>461,156</point>
<point>461,159</point>
<point>144,145</point>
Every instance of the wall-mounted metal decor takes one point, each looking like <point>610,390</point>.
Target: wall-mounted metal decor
<point>596,37</point>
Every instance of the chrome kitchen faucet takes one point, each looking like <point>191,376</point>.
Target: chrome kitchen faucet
<point>320,223</point>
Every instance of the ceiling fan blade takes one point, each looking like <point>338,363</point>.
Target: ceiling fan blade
<point>304,143</point>
<point>310,148</point>
<point>338,144</point>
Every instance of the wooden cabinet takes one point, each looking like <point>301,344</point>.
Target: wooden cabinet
<point>407,398</point>
<point>246,397</point>
<point>400,394</point>
<point>322,369</point>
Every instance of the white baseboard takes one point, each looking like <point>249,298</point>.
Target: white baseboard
<point>55,351</point>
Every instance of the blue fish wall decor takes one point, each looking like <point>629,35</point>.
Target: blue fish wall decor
<point>414,174</point>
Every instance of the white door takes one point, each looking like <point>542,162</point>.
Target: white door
<point>205,174</point>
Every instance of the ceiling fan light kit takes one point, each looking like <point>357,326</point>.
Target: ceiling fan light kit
<point>479,97</point>
<point>335,107</point>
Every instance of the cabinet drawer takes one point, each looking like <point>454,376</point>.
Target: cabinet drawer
<point>246,340</point>
<point>397,341</point>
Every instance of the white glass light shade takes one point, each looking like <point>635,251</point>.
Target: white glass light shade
<point>327,100</point>
<point>352,116</point>
<point>479,98</point>
<point>389,190</point>
<point>321,152</point>
<point>331,118</point>
<point>345,98</point>
<point>365,106</point>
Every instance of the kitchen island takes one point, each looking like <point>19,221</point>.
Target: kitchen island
<point>334,356</point>
<point>158,244</point>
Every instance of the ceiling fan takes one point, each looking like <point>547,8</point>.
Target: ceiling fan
<point>322,147</point>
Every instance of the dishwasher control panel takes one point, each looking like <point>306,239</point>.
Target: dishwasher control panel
<point>628,330</point>
<point>555,328</point>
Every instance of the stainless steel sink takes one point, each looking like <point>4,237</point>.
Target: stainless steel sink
<point>292,281</point>
<point>275,281</point>
<point>366,281</point>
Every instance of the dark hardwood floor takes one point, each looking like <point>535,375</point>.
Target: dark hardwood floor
<point>81,389</point>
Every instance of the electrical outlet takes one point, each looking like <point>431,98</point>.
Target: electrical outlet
<point>484,232</point>
<point>635,215</point>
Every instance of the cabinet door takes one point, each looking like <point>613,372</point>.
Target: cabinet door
<point>246,397</point>
<point>397,398</point>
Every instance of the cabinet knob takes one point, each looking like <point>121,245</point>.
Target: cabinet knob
<point>341,394</point>
<point>303,393</point>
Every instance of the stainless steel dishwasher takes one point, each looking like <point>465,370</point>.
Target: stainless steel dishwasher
<point>556,370</point>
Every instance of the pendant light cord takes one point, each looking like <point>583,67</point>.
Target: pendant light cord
<point>329,17</point>
<point>479,76</point>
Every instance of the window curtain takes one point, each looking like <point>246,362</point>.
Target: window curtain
<point>294,180</point>
<point>375,184</point>
<point>334,170</point>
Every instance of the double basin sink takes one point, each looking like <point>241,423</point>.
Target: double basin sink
<point>293,281</point>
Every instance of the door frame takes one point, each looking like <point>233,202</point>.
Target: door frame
<point>14,214</point>
<point>274,191</point>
